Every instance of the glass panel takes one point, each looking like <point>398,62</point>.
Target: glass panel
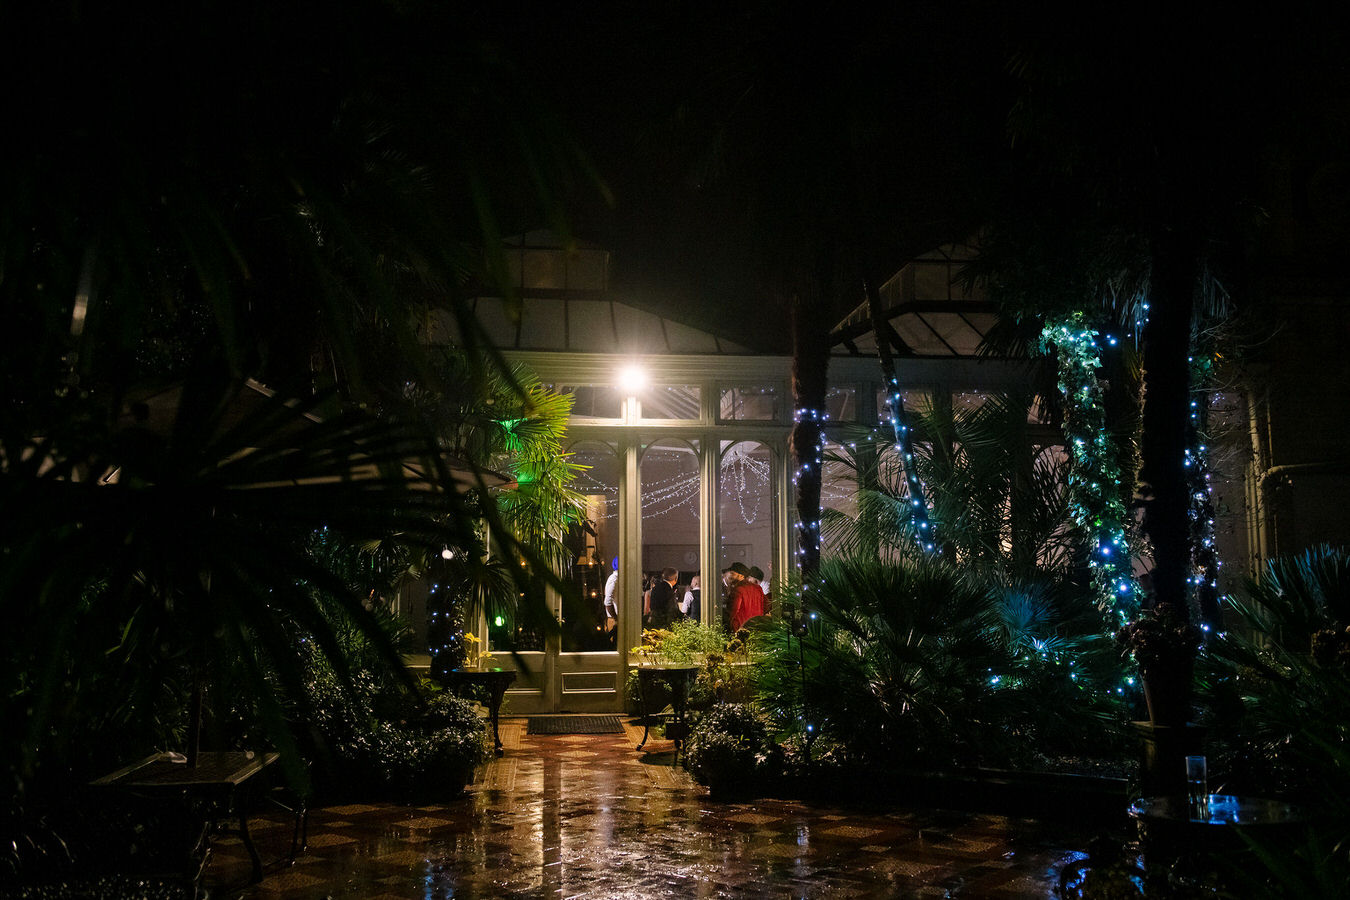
<point>670,528</point>
<point>672,401</point>
<point>589,401</point>
<point>542,324</point>
<point>916,400</point>
<point>590,622</point>
<point>1040,411</point>
<point>588,270</point>
<point>841,403</point>
<point>1050,466</point>
<point>745,507</point>
<point>543,269</point>
<point>526,629</point>
<point>964,401</point>
<point>838,498</point>
<point>761,403</point>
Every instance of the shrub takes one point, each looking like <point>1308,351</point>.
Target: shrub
<point>1278,711</point>
<point>931,664</point>
<point>426,752</point>
<point>730,748</point>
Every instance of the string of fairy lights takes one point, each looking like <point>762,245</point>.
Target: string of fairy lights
<point>1096,483</point>
<point>1097,503</point>
<point>744,478</point>
<point>1200,481</point>
<point>925,535</point>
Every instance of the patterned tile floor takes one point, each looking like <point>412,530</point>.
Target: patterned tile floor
<point>587,816</point>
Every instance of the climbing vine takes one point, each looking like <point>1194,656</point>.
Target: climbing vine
<point>1096,499</point>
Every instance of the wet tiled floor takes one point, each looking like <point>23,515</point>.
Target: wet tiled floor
<point>588,816</point>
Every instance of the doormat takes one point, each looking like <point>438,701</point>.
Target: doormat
<point>575,725</point>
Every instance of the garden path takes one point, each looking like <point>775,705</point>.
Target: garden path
<point>586,816</point>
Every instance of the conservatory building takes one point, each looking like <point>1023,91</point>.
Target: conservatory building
<point>684,436</point>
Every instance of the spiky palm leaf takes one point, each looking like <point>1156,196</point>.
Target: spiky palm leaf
<point>198,542</point>
<point>993,497</point>
<point>1293,596</point>
<point>895,661</point>
<point>1279,695</point>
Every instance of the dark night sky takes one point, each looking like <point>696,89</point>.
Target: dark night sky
<point>716,132</point>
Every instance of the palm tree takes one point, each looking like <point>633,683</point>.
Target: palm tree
<point>1002,500</point>
<point>816,141</point>
<point>509,422</point>
<point>169,214</point>
<point>1132,202</point>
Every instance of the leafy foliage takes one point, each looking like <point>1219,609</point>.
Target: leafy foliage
<point>995,498</point>
<point>1277,698</point>
<point>500,419</point>
<point>1278,694</point>
<point>170,226</point>
<point>724,674</point>
<point>382,745</point>
<point>922,663</point>
<point>1161,639</point>
<point>1295,596</point>
<point>184,547</point>
<point>729,748</point>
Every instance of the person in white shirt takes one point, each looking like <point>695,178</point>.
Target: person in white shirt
<point>690,606</point>
<point>611,599</point>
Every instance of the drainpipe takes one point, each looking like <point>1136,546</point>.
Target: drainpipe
<point>1275,475</point>
<point>1320,467</point>
<point>1259,530</point>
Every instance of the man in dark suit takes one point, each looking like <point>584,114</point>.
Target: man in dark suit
<point>663,598</point>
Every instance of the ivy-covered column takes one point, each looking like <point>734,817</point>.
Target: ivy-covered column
<point>1096,480</point>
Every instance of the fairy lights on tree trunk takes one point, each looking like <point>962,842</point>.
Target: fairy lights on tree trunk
<point>925,535</point>
<point>1096,499</point>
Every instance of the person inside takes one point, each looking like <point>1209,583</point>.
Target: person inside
<point>662,598</point>
<point>745,600</point>
<point>648,579</point>
<point>757,579</point>
<point>691,606</point>
<point>611,597</point>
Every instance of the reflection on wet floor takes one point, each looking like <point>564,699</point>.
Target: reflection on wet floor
<point>588,816</point>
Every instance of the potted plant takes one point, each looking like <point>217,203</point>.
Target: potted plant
<point>1163,641</point>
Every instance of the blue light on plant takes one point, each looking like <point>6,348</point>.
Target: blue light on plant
<point>1094,461</point>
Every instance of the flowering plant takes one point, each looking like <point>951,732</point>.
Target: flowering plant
<point>474,657</point>
<point>652,649</point>
<point>1161,638</point>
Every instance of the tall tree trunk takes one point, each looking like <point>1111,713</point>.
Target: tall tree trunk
<point>1206,556</point>
<point>904,434</point>
<point>810,364</point>
<point>1166,418</point>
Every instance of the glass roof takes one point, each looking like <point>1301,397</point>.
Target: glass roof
<point>931,312</point>
<point>565,305</point>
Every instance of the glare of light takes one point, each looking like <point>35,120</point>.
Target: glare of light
<point>447,553</point>
<point>632,379</point>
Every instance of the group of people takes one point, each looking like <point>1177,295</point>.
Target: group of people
<point>663,601</point>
